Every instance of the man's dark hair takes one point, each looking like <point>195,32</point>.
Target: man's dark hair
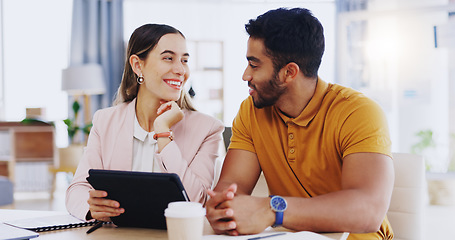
<point>290,35</point>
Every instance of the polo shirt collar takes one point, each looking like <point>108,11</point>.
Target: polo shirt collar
<point>310,111</point>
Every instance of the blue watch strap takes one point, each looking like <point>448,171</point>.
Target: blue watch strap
<point>278,219</point>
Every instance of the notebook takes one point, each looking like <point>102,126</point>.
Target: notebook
<point>8,232</point>
<point>143,195</point>
<point>49,223</point>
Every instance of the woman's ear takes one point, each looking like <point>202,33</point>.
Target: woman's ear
<point>290,71</point>
<point>136,64</point>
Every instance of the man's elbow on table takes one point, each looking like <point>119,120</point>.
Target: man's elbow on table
<point>370,222</point>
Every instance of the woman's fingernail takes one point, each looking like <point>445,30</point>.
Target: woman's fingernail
<point>230,194</point>
<point>232,225</point>
<point>229,212</point>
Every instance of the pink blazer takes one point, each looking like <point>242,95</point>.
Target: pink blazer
<point>191,155</point>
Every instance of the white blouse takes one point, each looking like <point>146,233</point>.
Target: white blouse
<point>144,148</point>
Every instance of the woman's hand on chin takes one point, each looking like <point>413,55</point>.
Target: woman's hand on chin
<point>169,113</point>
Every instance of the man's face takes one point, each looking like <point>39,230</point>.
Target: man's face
<point>264,82</point>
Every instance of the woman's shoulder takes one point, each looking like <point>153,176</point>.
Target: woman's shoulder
<point>199,116</point>
<point>113,111</point>
<point>202,119</point>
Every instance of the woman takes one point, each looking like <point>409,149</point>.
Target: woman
<point>151,127</point>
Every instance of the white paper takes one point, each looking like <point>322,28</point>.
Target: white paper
<point>304,235</point>
<point>40,222</point>
<point>10,232</point>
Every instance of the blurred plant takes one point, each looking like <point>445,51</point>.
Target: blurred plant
<point>31,121</point>
<point>72,125</point>
<point>426,142</point>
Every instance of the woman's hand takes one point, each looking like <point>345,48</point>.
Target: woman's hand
<point>103,209</point>
<point>169,114</point>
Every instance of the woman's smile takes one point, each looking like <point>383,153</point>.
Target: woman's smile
<point>174,83</point>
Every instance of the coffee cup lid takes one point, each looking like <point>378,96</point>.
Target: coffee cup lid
<point>184,209</point>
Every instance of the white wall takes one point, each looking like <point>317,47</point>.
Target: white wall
<point>224,20</point>
<point>36,43</point>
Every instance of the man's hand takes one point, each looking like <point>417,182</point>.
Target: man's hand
<point>238,177</point>
<point>233,214</point>
<point>221,218</point>
<point>101,208</point>
<point>252,215</point>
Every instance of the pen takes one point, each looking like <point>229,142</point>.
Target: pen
<point>271,235</point>
<point>96,226</point>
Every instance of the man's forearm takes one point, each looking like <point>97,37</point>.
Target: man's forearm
<point>221,186</point>
<point>342,211</point>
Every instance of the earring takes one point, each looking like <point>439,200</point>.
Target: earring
<point>140,79</point>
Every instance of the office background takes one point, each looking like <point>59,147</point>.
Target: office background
<point>399,52</point>
<point>386,49</point>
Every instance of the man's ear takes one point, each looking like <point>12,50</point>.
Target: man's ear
<point>290,71</point>
<point>136,64</point>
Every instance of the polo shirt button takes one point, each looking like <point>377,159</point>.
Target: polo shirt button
<point>292,150</point>
<point>291,135</point>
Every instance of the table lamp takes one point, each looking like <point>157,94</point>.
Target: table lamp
<point>84,80</point>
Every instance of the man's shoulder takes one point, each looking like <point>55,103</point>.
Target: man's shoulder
<point>247,102</point>
<point>247,105</point>
<point>343,91</point>
<point>348,95</point>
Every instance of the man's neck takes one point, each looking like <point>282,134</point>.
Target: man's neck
<point>297,97</point>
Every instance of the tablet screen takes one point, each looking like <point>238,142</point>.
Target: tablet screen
<point>143,195</point>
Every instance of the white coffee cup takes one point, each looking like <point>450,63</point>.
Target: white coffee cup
<point>184,220</point>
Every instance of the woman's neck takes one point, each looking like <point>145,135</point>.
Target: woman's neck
<point>146,112</point>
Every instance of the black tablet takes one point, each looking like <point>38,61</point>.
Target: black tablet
<point>143,195</point>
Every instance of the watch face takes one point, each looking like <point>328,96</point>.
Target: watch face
<point>278,203</point>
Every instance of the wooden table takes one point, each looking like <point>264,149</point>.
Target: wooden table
<point>107,231</point>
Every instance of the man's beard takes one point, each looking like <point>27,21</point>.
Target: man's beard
<point>270,92</point>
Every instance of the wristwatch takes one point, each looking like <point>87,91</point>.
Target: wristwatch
<point>278,205</point>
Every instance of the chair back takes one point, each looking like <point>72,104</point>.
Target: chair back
<point>227,136</point>
<point>408,197</point>
<point>219,161</point>
<point>6,191</point>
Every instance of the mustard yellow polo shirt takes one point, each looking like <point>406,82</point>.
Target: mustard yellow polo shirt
<point>302,156</point>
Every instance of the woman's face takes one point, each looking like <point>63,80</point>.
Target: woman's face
<point>166,68</point>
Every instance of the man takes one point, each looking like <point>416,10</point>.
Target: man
<point>324,149</point>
